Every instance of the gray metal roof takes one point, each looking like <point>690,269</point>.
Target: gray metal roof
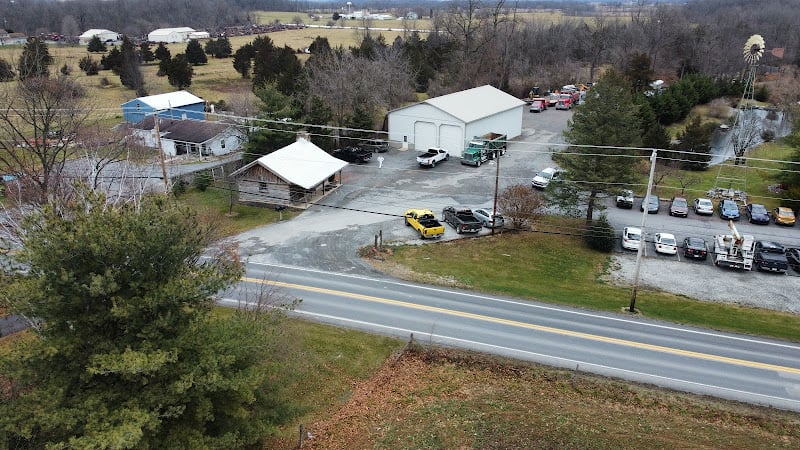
<point>476,103</point>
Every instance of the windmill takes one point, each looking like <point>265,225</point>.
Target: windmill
<point>744,130</point>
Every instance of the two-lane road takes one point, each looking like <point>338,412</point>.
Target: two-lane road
<point>736,367</point>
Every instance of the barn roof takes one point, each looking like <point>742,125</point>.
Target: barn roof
<point>166,31</point>
<point>170,100</point>
<point>476,103</point>
<point>95,32</point>
<point>301,163</point>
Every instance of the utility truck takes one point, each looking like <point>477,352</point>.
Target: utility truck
<point>734,250</point>
<point>483,148</point>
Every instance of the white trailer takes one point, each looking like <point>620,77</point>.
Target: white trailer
<point>734,250</point>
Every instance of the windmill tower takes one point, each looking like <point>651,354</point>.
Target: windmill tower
<point>745,130</point>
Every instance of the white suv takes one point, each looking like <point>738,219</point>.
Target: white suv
<point>543,178</point>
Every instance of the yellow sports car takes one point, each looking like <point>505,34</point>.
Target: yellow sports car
<point>783,216</point>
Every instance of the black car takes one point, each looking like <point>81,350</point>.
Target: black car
<point>770,256</point>
<point>793,258</point>
<point>652,204</point>
<point>757,214</point>
<point>695,247</point>
<point>352,154</point>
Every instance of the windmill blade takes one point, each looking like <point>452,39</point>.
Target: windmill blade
<point>754,48</point>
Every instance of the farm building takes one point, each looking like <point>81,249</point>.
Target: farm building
<point>103,34</point>
<point>451,120</point>
<point>297,175</point>
<point>170,35</point>
<point>175,105</point>
<point>188,137</point>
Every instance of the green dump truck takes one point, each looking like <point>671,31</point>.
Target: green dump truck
<point>483,148</point>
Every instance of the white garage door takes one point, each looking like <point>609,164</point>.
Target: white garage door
<point>424,135</point>
<point>451,138</point>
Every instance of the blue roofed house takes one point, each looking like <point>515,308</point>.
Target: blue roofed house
<point>175,105</point>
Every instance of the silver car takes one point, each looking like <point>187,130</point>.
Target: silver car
<point>703,206</point>
<point>488,219</point>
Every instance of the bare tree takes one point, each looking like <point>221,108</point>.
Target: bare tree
<point>38,124</point>
<point>521,204</point>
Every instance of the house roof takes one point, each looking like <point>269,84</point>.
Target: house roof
<point>476,103</point>
<point>166,31</point>
<point>301,163</point>
<point>96,32</point>
<point>170,100</point>
<point>196,131</point>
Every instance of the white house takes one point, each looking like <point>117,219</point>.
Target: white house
<point>450,121</point>
<point>170,35</point>
<point>199,35</point>
<point>188,137</point>
<point>103,34</point>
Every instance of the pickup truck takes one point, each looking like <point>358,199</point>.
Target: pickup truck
<point>432,156</point>
<point>538,104</point>
<point>461,219</point>
<point>424,222</point>
<point>352,154</point>
<point>625,199</point>
<point>770,256</point>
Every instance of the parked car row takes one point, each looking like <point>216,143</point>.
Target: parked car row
<point>766,255</point>
<point>728,209</point>
<point>462,219</point>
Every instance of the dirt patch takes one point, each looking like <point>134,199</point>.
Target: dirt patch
<point>443,398</point>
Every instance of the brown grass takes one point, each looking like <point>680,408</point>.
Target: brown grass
<point>454,399</point>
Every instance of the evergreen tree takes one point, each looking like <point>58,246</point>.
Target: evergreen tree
<point>638,72</point>
<point>96,45</point>
<point>219,48</point>
<point>696,140</point>
<point>275,106</point>
<point>179,72</point>
<point>35,60</point>
<point>6,71</point>
<point>112,61</point>
<point>242,60</point>
<point>195,54</point>
<point>162,52</point>
<point>592,166</point>
<point>126,354</point>
<point>145,53</point>
<point>130,74</point>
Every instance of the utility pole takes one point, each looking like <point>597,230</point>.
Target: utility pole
<point>161,153</point>
<point>496,182</point>
<point>645,212</point>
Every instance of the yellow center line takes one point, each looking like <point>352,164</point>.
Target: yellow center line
<point>529,326</point>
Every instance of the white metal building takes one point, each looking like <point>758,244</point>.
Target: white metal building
<point>103,34</point>
<point>450,121</point>
<point>170,35</point>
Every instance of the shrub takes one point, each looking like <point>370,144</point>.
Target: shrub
<point>600,235</point>
<point>767,135</point>
<point>202,180</point>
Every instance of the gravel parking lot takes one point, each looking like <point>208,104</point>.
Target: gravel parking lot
<point>374,197</point>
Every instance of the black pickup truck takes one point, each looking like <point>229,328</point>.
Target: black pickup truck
<point>461,219</point>
<point>770,256</point>
<point>352,154</point>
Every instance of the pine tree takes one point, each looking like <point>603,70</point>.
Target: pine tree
<point>592,166</point>
<point>179,72</point>
<point>126,354</point>
<point>130,74</point>
<point>96,45</point>
<point>195,54</point>
<point>35,60</point>
<point>162,52</point>
<point>145,53</point>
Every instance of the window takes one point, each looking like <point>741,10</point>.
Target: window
<point>222,144</point>
<point>262,186</point>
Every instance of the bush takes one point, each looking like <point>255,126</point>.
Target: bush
<point>178,188</point>
<point>761,94</point>
<point>600,235</point>
<point>202,180</point>
<point>768,135</point>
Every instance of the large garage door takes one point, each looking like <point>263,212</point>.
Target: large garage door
<point>451,138</point>
<point>424,135</point>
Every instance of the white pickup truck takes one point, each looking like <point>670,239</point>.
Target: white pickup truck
<point>432,156</point>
